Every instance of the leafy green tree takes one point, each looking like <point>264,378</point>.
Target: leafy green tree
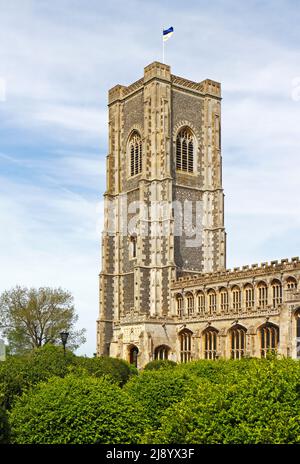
<point>77,410</point>
<point>31,318</point>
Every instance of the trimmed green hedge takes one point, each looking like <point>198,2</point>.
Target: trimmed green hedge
<point>4,427</point>
<point>160,364</point>
<point>259,402</point>
<point>158,389</point>
<point>77,410</point>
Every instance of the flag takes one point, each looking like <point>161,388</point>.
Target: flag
<point>167,33</point>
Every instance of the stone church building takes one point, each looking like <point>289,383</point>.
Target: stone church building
<point>165,292</point>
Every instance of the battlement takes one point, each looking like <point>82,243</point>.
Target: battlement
<point>240,273</point>
<point>162,71</point>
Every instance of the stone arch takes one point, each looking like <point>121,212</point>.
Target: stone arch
<point>162,352</point>
<point>133,353</point>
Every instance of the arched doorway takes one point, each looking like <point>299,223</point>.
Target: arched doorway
<point>133,355</point>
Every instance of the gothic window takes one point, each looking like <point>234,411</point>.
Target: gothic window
<point>201,303</point>
<point>269,336</point>
<point>276,293</point>
<point>224,300</point>
<point>190,304</point>
<point>185,338</point>
<point>210,343</point>
<point>262,295</point>
<point>161,352</point>
<point>238,342</point>
<point>135,150</point>
<point>236,297</point>
<point>291,283</point>
<point>185,150</point>
<point>179,302</point>
<point>212,301</point>
<point>249,296</point>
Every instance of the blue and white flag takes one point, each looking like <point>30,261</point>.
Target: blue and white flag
<point>167,33</point>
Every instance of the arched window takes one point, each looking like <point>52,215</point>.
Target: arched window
<point>262,295</point>
<point>179,303</point>
<point>201,303</point>
<point>161,352</point>
<point>210,343</point>
<point>133,355</point>
<point>238,341</point>
<point>224,300</point>
<point>212,301</point>
<point>249,296</point>
<point>291,283</point>
<point>190,303</point>
<point>135,150</point>
<point>185,338</point>
<point>236,297</point>
<point>269,336</point>
<point>276,292</point>
<point>185,150</point>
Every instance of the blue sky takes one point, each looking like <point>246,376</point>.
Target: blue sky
<point>58,59</point>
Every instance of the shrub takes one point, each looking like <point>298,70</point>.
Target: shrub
<point>77,410</point>
<point>261,406</point>
<point>158,389</point>
<point>4,427</point>
<point>159,364</point>
<point>118,369</point>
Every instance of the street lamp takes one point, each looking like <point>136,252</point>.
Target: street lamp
<point>64,339</point>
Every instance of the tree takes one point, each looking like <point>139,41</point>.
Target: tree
<point>31,318</point>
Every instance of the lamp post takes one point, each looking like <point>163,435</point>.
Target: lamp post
<point>64,339</point>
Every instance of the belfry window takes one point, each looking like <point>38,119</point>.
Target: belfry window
<point>135,150</point>
<point>185,151</point>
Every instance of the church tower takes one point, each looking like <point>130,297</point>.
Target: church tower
<point>164,206</point>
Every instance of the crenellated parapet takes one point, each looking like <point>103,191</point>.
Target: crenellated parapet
<point>252,271</point>
<point>162,72</point>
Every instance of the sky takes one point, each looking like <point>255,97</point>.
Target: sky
<point>58,60</point>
